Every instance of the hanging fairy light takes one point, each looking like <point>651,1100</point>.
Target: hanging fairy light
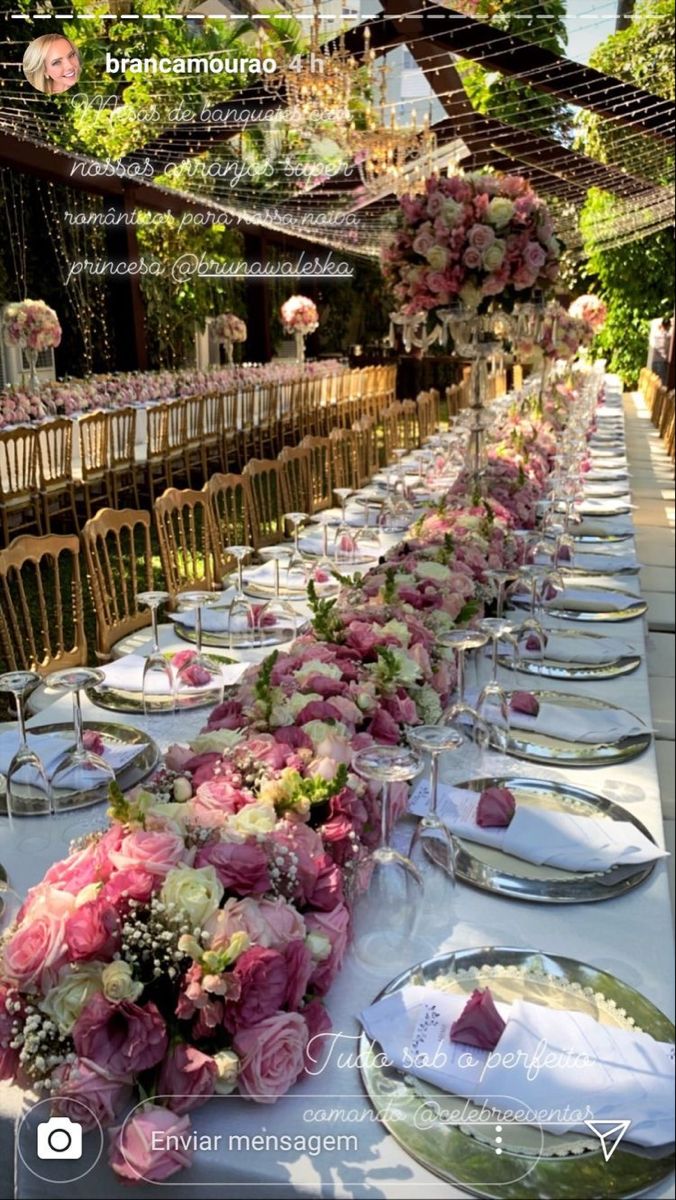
<point>319,84</point>
<point>390,155</point>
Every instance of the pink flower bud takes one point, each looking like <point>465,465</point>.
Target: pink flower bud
<point>496,808</point>
<point>525,702</point>
<point>479,1023</point>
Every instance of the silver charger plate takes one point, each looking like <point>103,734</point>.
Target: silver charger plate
<point>129,777</point>
<point>267,636</point>
<point>551,668</point>
<point>595,538</point>
<point>120,700</point>
<point>455,1138</point>
<point>504,874</point>
<point>541,747</point>
<point>635,607</point>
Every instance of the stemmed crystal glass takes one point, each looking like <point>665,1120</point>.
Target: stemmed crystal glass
<point>243,615</point>
<point>156,667</point>
<point>461,640</point>
<point>277,605</point>
<point>492,702</point>
<point>437,846</point>
<point>200,672</point>
<point>386,910</point>
<point>80,770</point>
<point>27,787</point>
<point>501,578</point>
<point>296,521</point>
<point>343,495</point>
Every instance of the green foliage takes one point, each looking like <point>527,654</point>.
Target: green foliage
<point>313,790</point>
<point>326,622</point>
<point>263,689</point>
<point>505,98</point>
<point>637,279</point>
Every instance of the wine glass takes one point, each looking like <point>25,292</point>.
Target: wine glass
<point>80,769</point>
<point>431,836</point>
<point>343,495</point>
<point>239,553</point>
<point>386,910</point>
<point>493,705</point>
<point>199,672</point>
<point>27,787</point>
<point>156,668</point>
<point>461,640</point>
<point>296,521</point>
<point>500,578</point>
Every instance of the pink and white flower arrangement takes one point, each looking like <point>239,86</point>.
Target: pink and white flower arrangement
<point>471,237</point>
<point>299,315</point>
<point>591,309</point>
<point>31,324</point>
<point>228,327</point>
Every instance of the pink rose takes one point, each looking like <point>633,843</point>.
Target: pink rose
<point>186,1078</point>
<point>534,256</point>
<point>241,868</point>
<point>306,845</point>
<point>93,741</point>
<point>299,967</point>
<point>272,1056</point>
<point>328,890</point>
<point>132,884</point>
<point>155,853</point>
<point>93,931</point>
<point>472,258</point>
<point>36,952</point>
<point>131,1153</point>
<point>263,979</point>
<point>384,728</point>
<point>481,237</point>
<point>318,710</point>
<point>177,757</point>
<point>74,872</point>
<point>282,922</point>
<point>334,925</point>
<point>126,1037</point>
<point>92,1084</point>
<point>266,750</point>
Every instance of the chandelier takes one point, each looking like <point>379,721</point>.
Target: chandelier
<point>390,155</point>
<point>319,84</point>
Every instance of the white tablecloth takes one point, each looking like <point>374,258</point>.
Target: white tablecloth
<point>629,936</point>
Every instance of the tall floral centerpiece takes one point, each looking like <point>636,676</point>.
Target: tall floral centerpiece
<point>299,317</point>
<point>467,242</point>
<point>229,329</point>
<point>32,326</point>
<point>590,309</point>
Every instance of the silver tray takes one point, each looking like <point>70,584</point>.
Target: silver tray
<point>129,777</point>
<point>119,700</point>
<point>504,874</point>
<point>636,606</point>
<point>550,668</point>
<point>540,747</point>
<point>265,637</point>
<point>533,1163</point>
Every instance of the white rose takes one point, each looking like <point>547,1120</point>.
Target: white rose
<point>118,983</point>
<point>452,211</point>
<point>470,295</point>
<point>253,819</point>
<point>319,946</point>
<point>297,702</point>
<point>398,630</point>
<point>494,255</point>
<point>65,1001</point>
<point>500,211</point>
<point>432,570</point>
<point>195,891</point>
<point>330,670</point>
<point>318,730</point>
<point>437,257</point>
<point>227,1070</point>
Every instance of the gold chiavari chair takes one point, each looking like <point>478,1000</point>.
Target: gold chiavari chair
<point>184,535</point>
<point>296,482</point>
<point>229,508</point>
<point>231,439</point>
<point>122,453</point>
<point>247,412</point>
<point>390,428</point>
<point>346,467</point>
<point>94,452</point>
<point>42,627</point>
<point>119,561</point>
<point>55,458</point>
<point>367,447</point>
<point>321,472</point>
<point>266,429</point>
<point>156,449</point>
<point>213,444</point>
<point>267,501</point>
<point>425,422</point>
<point>435,408</point>
<point>193,438</point>
<point>177,434</point>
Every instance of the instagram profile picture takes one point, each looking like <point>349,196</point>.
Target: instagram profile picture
<point>51,63</point>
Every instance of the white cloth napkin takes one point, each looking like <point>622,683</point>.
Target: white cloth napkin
<point>314,544</point>
<point>541,835</point>
<point>289,581</point>
<point>126,674</point>
<point>603,506</point>
<point>587,725</point>
<point>51,747</point>
<point>610,488</point>
<point>591,599</point>
<point>548,1061</point>
<point>214,620</point>
<point>603,562</point>
<point>580,649</point>
<point>594,526</point>
<point>603,474</point>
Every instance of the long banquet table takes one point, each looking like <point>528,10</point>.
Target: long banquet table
<point>629,936</point>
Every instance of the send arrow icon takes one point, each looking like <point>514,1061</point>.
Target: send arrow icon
<point>610,1134</point>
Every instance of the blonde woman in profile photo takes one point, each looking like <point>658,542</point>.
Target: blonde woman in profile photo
<point>52,63</point>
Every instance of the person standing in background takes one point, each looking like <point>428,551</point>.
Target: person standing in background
<point>659,347</point>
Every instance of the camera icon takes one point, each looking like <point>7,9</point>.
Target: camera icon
<point>59,1138</point>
